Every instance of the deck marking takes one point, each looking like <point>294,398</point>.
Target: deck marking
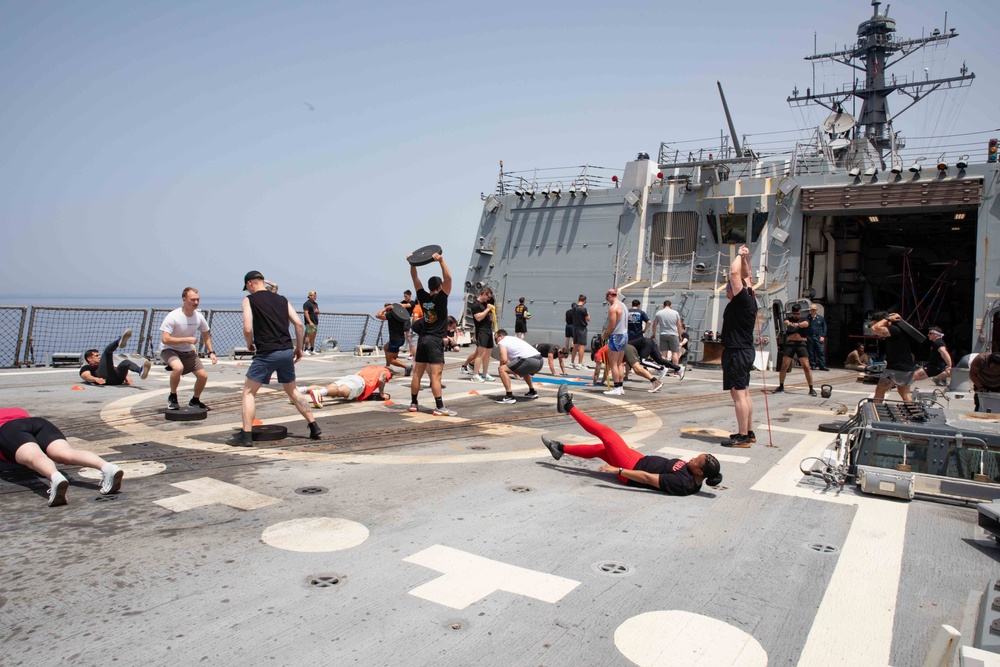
<point>208,491</point>
<point>132,469</point>
<point>690,453</point>
<point>685,639</point>
<point>877,535</point>
<point>467,578</point>
<point>315,534</point>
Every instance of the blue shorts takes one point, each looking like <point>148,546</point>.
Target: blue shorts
<point>265,364</point>
<point>394,345</point>
<point>617,342</point>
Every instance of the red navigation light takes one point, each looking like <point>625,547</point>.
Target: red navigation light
<point>709,156</point>
<point>614,179</point>
<point>659,175</point>
<point>992,155</point>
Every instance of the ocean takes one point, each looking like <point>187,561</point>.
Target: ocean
<point>365,304</point>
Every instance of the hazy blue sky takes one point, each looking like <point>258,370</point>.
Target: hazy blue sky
<point>147,146</point>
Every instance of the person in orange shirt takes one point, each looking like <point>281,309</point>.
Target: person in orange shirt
<point>368,383</point>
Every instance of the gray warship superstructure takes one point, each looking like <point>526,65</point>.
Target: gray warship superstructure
<point>851,219</point>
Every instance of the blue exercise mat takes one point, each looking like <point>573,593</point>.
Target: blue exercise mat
<point>555,380</point>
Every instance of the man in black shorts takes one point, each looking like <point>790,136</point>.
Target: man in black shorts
<point>738,320</point>
<point>483,311</point>
<point>521,316</point>
<point>796,346</point>
<point>580,320</point>
<point>431,331</point>
<point>397,337</point>
<point>554,352</point>
<point>899,367</point>
<point>939,362</point>
<point>100,367</point>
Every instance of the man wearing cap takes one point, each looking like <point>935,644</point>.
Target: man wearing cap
<point>177,347</point>
<point>616,335</point>
<point>310,313</point>
<point>266,315</point>
<point>816,339</point>
<point>939,363</point>
<point>795,346</point>
<point>431,330</point>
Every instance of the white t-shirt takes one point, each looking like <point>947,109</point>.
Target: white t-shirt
<point>179,325</point>
<point>666,322</point>
<point>518,349</point>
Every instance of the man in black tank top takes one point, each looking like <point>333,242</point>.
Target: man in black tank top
<point>266,316</point>
<point>738,321</point>
<point>429,355</point>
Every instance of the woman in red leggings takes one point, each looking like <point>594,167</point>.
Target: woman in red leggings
<point>672,476</point>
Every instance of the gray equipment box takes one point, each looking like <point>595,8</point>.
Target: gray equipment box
<point>882,482</point>
<point>987,635</point>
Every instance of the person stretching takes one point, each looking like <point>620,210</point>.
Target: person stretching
<point>671,476</point>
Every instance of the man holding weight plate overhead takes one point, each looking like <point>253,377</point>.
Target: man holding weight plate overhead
<point>432,328</point>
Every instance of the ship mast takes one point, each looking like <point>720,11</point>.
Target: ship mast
<point>874,53</point>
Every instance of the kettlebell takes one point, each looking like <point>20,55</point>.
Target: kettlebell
<point>826,390</point>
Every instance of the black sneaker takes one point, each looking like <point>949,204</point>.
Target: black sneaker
<point>812,392</point>
<point>242,439</point>
<point>314,431</point>
<point>409,371</point>
<point>531,395</point>
<point>564,400</point>
<point>779,390</point>
<point>555,447</point>
<point>172,403</point>
<point>739,441</point>
<point>749,436</point>
<point>196,403</point>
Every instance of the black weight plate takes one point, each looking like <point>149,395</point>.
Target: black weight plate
<point>269,433</point>
<point>422,256</point>
<point>400,313</point>
<point>186,414</point>
<point>831,427</point>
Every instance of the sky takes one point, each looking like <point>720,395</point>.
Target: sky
<point>149,146</point>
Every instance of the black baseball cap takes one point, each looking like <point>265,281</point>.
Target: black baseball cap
<point>251,275</point>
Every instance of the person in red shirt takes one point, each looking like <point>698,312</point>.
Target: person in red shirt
<point>37,443</point>
<point>367,383</point>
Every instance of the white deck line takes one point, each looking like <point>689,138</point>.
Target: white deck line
<point>860,600</point>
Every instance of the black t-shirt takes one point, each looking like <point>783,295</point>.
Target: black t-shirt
<point>936,360</point>
<point>270,322</point>
<point>397,328</point>
<point>898,352</point>
<point>569,315</point>
<point>519,311</point>
<point>794,328</point>
<point>485,323</point>
<point>675,478</point>
<point>545,349</point>
<point>580,316</point>
<point>738,320</point>
<point>435,309</point>
<point>636,318</point>
<point>312,308</point>
<point>90,367</point>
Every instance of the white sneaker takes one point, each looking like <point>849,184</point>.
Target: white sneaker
<point>663,373</point>
<point>657,385</point>
<point>464,370</point>
<point>681,372</point>
<point>111,480</point>
<point>444,412</point>
<point>57,491</point>
<point>146,365</point>
<point>615,391</point>
<point>477,378</point>
<point>487,377</point>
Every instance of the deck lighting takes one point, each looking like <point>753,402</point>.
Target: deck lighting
<point>871,171</point>
<point>659,175</point>
<point>942,165</point>
<point>872,218</point>
<point>583,190</point>
<point>991,154</point>
<point>915,167</point>
<point>963,162</point>
<point>614,179</point>
<point>855,172</point>
<point>555,192</point>
<point>897,168</point>
<point>960,216</point>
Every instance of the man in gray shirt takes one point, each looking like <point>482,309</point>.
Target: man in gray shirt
<point>667,321</point>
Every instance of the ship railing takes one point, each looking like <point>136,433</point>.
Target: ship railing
<point>43,335</point>
<point>558,181</point>
<point>12,320</point>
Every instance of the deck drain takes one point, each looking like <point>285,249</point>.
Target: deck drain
<point>311,490</point>
<point>478,447</point>
<point>612,568</point>
<point>325,580</point>
<point>106,499</point>
<point>520,489</point>
<point>823,548</point>
<point>455,626</point>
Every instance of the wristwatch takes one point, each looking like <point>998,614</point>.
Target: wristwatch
<point>619,471</point>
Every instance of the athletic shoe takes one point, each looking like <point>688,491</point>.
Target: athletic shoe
<point>314,431</point>
<point>663,373</point>
<point>750,436</point>
<point>242,439</point>
<point>465,370</point>
<point>681,373</point>
<point>413,407</point>
<point>172,403</point>
<point>824,368</point>
<point>506,400</point>
<point>443,411</point>
<point>564,400</point>
<point>111,480</point>
<point>738,441</point>
<point>57,491</point>
<point>409,371</point>
<point>317,400</point>
<point>123,341</point>
<point>657,385</point>
<point>615,391</point>
<point>812,392</point>
<point>487,377</point>
<point>146,365</point>
<point>477,378</point>
<point>531,395</point>
<point>780,389</point>
<point>196,403</point>
<point>554,446</point>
